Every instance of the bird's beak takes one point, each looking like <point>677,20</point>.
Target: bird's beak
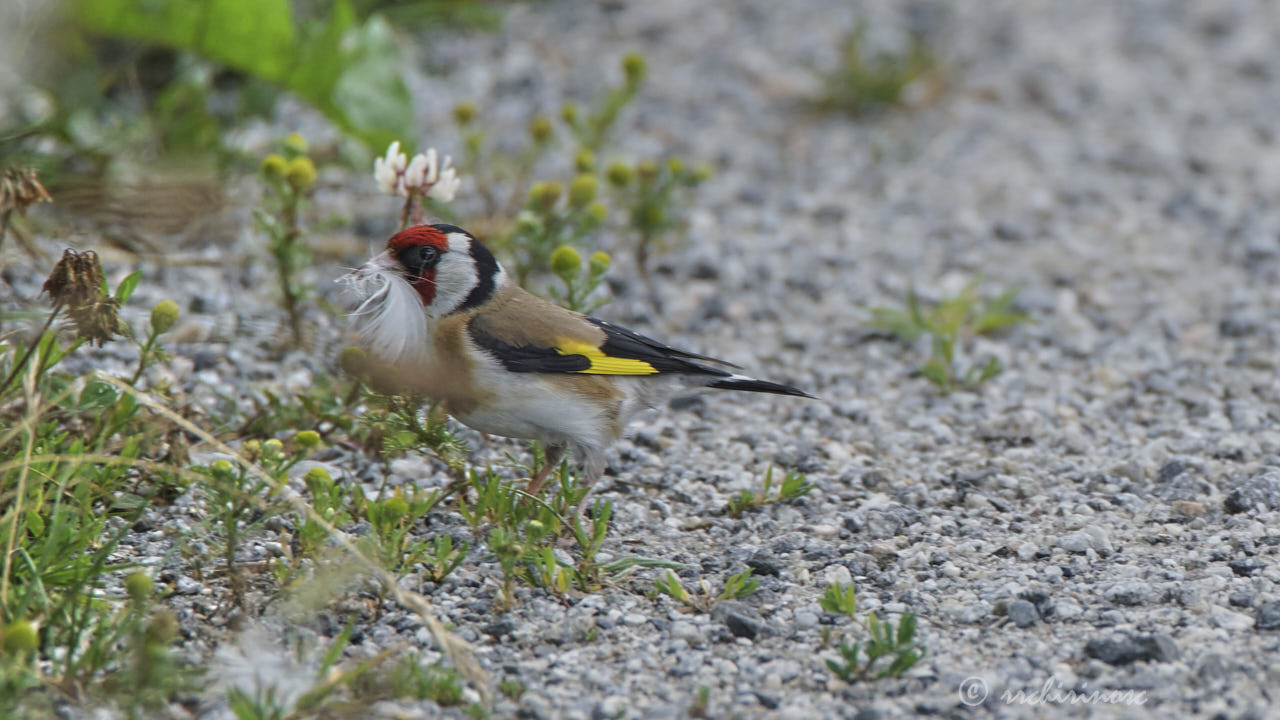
<point>380,263</point>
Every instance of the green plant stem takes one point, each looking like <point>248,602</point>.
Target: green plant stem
<point>283,265</point>
<point>142,357</point>
<point>20,363</point>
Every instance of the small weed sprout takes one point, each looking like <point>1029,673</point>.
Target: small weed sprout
<point>861,660</point>
<point>736,587</point>
<point>547,223</point>
<point>793,486</point>
<point>948,324</point>
<point>652,197</point>
<point>579,285</point>
<point>863,83</point>
<point>289,178</point>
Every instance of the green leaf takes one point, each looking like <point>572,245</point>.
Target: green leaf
<point>906,628</point>
<point>96,395</point>
<point>938,372</point>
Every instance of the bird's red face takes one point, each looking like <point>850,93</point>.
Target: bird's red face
<point>418,251</point>
<point>426,272</point>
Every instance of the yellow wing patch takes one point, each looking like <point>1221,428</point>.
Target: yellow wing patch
<point>602,364</point>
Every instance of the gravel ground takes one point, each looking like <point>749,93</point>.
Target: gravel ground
<point>1101,516</point>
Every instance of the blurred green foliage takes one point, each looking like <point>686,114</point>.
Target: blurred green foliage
<point>347,68</point>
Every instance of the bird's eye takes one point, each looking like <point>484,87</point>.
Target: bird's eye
<point>420,258</point>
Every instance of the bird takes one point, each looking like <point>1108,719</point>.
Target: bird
<point>443,319</point>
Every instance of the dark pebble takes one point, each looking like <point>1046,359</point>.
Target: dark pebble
<point>501,627</point>
<point>1022,613</point>
<point>1125,650</point>
<point>1269,616</point>
<point>740,619</point>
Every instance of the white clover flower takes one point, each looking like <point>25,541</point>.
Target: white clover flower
<point>422,176</point>
<point>415,177</point>
<point>388,170</point>
<point>447,185</point>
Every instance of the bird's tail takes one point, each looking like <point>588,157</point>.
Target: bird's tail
<point>742,382</point>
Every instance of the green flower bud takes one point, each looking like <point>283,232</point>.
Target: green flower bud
<point>251,449</point>
<point>619,174</point>
<point>20,637</point>
<point>272,449</point>
<point>295,145</point>
<point>162,629</point>
<point>464,113</point>
<point>650,216</point>
<point>317,480</point>
<point>599,263</point>
<point>163,316</point>
<point>633,67</point>
<point>527,223</point>
<point>307,439</point>
<point>540,129</point>
<point>566,262</point>
<point>273,166</point>
<point>646,170</point>
<point>394,508</point>
<point>700,174</point>
<point>584,161</point>
<point>301,174</point>
<point>597,212</point>
<point>582,190</point>
<point>352,361</point>
<point>222,468</point>
<point>543,195</point>
<point>536,527</point>
<point>569,113</point>
<point>675,165</point>
<point>139,586</point>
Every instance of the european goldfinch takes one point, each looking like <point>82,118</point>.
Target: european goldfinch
<point>442,319</point>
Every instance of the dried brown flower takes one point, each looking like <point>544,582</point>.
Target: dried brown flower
<point>20,188</point>
<point>78,284</point>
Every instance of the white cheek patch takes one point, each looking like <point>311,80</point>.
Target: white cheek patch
<point>390,314</point>
<point>455,276</point>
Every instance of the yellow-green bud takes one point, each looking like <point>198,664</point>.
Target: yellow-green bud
<point>464,113</point>
<point>351,360</point>
<point>619,174</point>
<point>599,263</point>
<point>317,476</point>
<point>633,67</point>
<point>569,113</point>
<point>527,223</point>
<point>646,170</point>
<point>566,262</point>
<point>536,527</point>
<point>597,212</point>
<point>162,628</point>
<point>307,439</point>
<point>540,129</point>
<point>273,166</point>
<point>700,174</point>
<point>163,316</point>
<point>650,216</point>
<point>584,161</point>
<point>582,190</point>
<point>543,195</point>
<point>675,165</point>
<point>139,586</point>
<point>222,468</point>
<point>20,637</point>
<point>394,508</point>
<point>251,449</point>
<point>301,174</point>
<point>295,145</point>
<point>272,448</point>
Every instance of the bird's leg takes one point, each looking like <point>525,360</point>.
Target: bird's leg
<point>555,455</point>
